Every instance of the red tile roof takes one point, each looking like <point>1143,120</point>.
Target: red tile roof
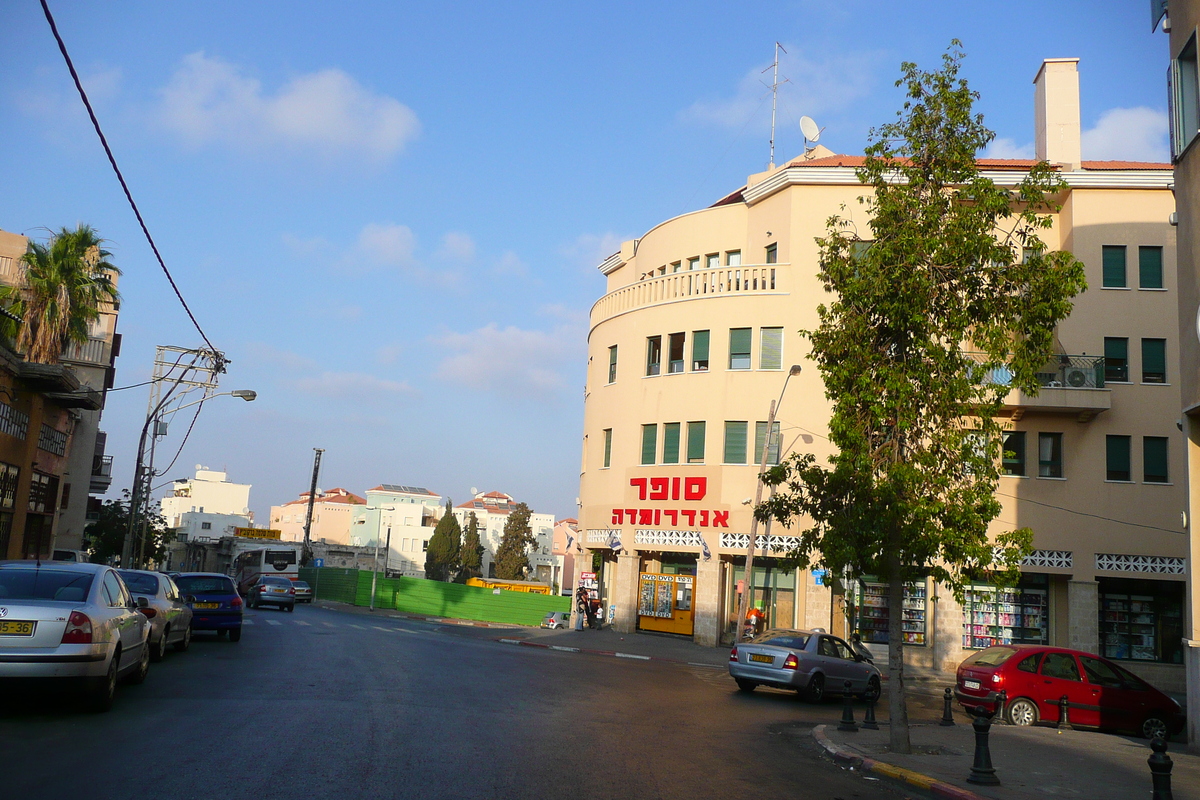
<point>1101,165</point>
<point>332,496</point>
<point>985,163</point>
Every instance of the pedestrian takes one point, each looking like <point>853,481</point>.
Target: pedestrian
<point>581,607</point>
<point>594,619</point>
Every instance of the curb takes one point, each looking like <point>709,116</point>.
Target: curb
<point>613,653</point>
<point>906,776</point>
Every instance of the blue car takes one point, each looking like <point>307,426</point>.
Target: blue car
<point>215,602</point>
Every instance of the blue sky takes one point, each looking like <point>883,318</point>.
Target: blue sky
<point>388,215</point>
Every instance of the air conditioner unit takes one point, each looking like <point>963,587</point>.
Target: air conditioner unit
<point>1076,377</point>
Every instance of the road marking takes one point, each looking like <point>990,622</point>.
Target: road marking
<point>329,625</point>
<point>359,627</point>
<point>247,622</point>
<point>385,630</point>
<point>698,664</point>
<point>564,649</point>
<point>301,622</point>
<point>274,622</point>
<point>630,655</point>
<point>510,641</point>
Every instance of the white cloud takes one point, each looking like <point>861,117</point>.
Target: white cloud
<point>385,245</point>
<point>456,247</point>
<point>102,85</point>
<point>356,386</point>
<point>589,249</point>
<point>1128,134</point>
<point>1008,148</point>
<point>210,101</point>
<point>524,363</point>
<point>510,265</point>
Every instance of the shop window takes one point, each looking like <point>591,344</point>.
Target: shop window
<point>653,355</point>
<point>770,354</point>
<point>649,443</point>
<point>1117,458</point>
<point>773,591</point>
<point>43,491</point>
<point>772,254</point>
<point>1013,461</point>
<point>1154,459</point>
<point>1116,359</point>
<point>760,440</point>
<point>1113,257</point>
<point>1141,620</point>
<point>699,351</point>
<point>874,612</point>
<point>1050,464</point>
<point>675,344</point>
<point>612,364</point>
<point>1154,360</point>
<point>670,443</point>
<point>607,448</point>
<point>1150,272</point>
<point>735,442</point>
<point>695,442</point>
<point>739,348</point>
<point>1183,95</point>
<point>1019,615</point>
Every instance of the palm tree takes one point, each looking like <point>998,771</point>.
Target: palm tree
<point>65,284</point>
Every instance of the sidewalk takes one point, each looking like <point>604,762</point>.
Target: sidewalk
<point>1030,762</point>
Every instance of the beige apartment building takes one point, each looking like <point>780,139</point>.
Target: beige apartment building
<point>333,513</point>
<point>696,334</point>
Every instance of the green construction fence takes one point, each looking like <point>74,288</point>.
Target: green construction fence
<point>432,598</point>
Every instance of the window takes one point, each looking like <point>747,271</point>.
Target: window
<point>770,355</point>
<point>733,258</point>
<point>43,491</point>
<point>1061,666</point>
<point>653,355</point>
<point>735,442</point>
<point>695,443</point>
<point>1029,663</point>
<point>772,254</point>
<point>64,502</point>
<point>1154,459</point>
<point>1101,674</point>
<point>113,593</point>
<point>1050,455</point>
<point>1116,449</point>
<point>760,437</point>
<point>1116,359</point>
<point>1114,266</point>
<point>1150,268</point>
<point>675,352</point>
<point>8,487</point>
<point>1141,620</point>
<point>206,526</point>
<point>607,448</point>
<point>1013,461</point>
<point>739,348</point>
<point>694,262</point>
<point>612,364</point>
<point>1154,360</point>
<point>424,545</point>
<point>676,266</point>
<point>13,422</point>
<point>712,261</point>
<point>699,351</point>
<point>52,440</point>
<point>649,443</point>
<point>1183,94</point>
<point>670,443</point>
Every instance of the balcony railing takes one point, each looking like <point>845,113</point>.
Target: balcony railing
<point>1069,384</point>
<point>101,474</point>
<point>93,351</point>
<point>691,285</point>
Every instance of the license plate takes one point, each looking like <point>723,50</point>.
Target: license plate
<point>206,605</point>
<point>762,659</point>
<point>12,627</point>
<point>971,684</point>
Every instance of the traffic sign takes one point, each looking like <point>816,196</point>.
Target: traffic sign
<point>318,562</point>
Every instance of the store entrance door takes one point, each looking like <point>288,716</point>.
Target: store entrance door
<point>665,603</point>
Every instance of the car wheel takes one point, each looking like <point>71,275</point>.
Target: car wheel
<point>103,691</point>
<point>1022,712</point>
<point>221,633</point>
<point>143,667</point>
<point>815,691</point>
<point>159,651</point>
<point>291,608</point>
<point>235,634</point>
<point>1155,728</point>
<point>873,690</point>
<point>745,685</point>
<point>183,644</point>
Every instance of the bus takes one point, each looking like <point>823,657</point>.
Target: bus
<point>250,564</point>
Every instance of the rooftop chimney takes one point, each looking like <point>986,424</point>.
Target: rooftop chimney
<point>1056,112</point>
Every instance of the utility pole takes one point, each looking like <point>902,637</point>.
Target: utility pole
<point>774,98</point>
<point>312,498</point>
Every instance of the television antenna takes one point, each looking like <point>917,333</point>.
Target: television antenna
<point>774,87</point>
<point>811,132</point>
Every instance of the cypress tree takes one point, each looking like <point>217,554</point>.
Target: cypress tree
<point>470,559</point>
<point>511,557</point>
<point>441,557</point>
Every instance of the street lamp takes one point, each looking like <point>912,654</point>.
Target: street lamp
<point>137,498</point>
<point>748,575</point>
<point>387,557</point>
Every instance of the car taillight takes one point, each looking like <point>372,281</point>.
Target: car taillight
<point>997,678</point>
<point>79,629</point>
<point>149,612</point>
<point>235,602</point>
<point>791,662</point>
<point>733,654</point>
<point>291,591</point>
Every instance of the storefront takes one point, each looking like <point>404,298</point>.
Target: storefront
<point>1141,620</point>
<point>1007,615</point>
<point>772,591</point>
<point>665,603</point>
<point>871,612</point>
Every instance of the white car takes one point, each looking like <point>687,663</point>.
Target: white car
<point>76,622</point>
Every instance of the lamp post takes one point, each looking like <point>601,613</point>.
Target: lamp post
<point>748,575</point>
<point>145,475</point>
<point>375,566</point>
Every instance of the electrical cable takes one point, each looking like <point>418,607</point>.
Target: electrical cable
<point>185,438</point>
<point>1093,516</point>
<point>113,161</point>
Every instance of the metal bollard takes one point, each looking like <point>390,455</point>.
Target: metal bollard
<point>1064,714</point>
<point>982,772</point>
<point>847,724</point>
<point>869,722</point>
<point>999,717</point>
<point>947,709</point>
<point>1160,770</point>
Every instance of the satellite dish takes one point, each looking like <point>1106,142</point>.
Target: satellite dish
<point>809,128</point>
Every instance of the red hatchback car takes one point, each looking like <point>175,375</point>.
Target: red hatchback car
<point>1100,694</point>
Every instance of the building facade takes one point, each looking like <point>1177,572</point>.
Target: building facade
<point>402,519</point>
<point>333,513</point>
<point>209,492</point>
<point>697,333</point>
<point>491,509</point>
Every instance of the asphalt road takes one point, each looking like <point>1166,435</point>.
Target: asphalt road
<point>327,704</point>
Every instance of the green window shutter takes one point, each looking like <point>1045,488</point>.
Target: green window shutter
<point>739,348</point>
<point>760,435</point>
<point>612,363</point>
<point>771,356</point>
<point>699,350</point>
<point>735,442</point>
<point>1154,459</point>
<point>695,442</point>
<point>1150,274</point>
<point>1154,360</point>
<point>608,447</point>
<point>1117,457</point>
<point>649,443</point>
<point>1114,266</point>
<point>1116,359</point>
<point>671,443</point>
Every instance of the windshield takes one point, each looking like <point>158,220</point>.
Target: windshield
<point>205,584</point>
<point>992,657</point>
<point>792,639</point>
<point>44,584</point>
<point>139,582</point>
<point>301,585</point>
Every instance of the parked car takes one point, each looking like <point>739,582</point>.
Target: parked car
<point>215,603</point>
<point>304,592</point>
<point>1100,693</point>
<point>77,556</point>
<point>69,621</point>
<point>556,619</point>
<point>804,661</point>
<point>158,598</point>
<point>272,590</point>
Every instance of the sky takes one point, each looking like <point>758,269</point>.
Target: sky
<point>388,215</point>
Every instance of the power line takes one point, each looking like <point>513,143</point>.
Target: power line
<point>191,425</point>
<point>1093,516</point>
<point>113,161</point>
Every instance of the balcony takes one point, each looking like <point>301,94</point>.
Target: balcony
<point>101,474</point>
<point>697,284</point>
<point>94,351</point>
<point>1069,385</point>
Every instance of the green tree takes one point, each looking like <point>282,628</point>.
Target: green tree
<point>512,557</point>
<point>441,557</point>
<point>947,305</point>
<point>105,537</point>
<point>64,285</point>
<point>470,560</point>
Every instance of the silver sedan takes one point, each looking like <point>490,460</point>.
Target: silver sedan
<point>158,599</point>
<point>71,621</point>
<point>808,662</point>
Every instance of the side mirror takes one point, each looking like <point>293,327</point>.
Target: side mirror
<point>191,598</point>
<point>141,602</point>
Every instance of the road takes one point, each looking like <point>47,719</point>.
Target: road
<point>323,703</point>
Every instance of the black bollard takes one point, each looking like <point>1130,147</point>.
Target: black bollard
<point>1064,714</point>
<point>869,722</point>
<point>1160,770</point>
<point>982,772</point>
<point>999,717</point>
<point>847,723</point>
<point>947,709</point>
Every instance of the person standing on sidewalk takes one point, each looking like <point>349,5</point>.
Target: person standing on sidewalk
<point>581,607</point>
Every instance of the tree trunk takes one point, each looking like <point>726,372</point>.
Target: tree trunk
<point>898,741</point>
